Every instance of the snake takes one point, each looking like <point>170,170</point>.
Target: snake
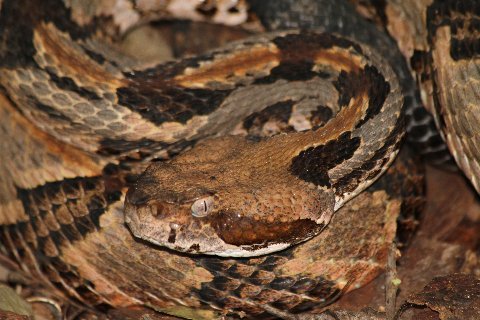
<point>122,184</point>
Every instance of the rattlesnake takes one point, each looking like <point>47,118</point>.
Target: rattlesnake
<point>83,122</point>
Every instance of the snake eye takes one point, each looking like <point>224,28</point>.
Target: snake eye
<point>202,207</point>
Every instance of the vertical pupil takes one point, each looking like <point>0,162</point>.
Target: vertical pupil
<point>205,205</point>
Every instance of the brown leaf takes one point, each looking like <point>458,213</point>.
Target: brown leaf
<point>455,296</point>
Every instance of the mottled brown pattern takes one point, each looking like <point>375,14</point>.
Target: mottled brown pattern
<point>295,280</point>
<point>25,155</point>
<point>454,38</point>
<point>60,214</point>
<point>159,206</point>
<point>405,22</point>
<point>82,119</point>
<point>446,57</point>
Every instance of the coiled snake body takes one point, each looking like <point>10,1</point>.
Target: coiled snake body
<point>80,122</point>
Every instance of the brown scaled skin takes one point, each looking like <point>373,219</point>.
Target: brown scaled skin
<point>250,210</point>
<point>233,197</point>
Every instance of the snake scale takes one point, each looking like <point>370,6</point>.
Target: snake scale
<point>80,123</point>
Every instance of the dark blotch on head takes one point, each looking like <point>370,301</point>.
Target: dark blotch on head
<point>312,165</point>
<point>238,230</point>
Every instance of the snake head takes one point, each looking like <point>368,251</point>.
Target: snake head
<point>211,200</point>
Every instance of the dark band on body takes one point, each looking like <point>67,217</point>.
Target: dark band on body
<point>312,165</point>
<point>60,214</point>
<point>367,171</point>
<point>370,81</point>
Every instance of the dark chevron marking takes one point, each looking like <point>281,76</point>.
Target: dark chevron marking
<point>298,54</point>
<point>240,277</point>
<point>369,80</point>
<point>169,103</point>
<point>366,171</point>
<point>60,213</point>
<point>67,210</point>
<point>291,71</point>
<point>66,83</point>
<point>153,94</point>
